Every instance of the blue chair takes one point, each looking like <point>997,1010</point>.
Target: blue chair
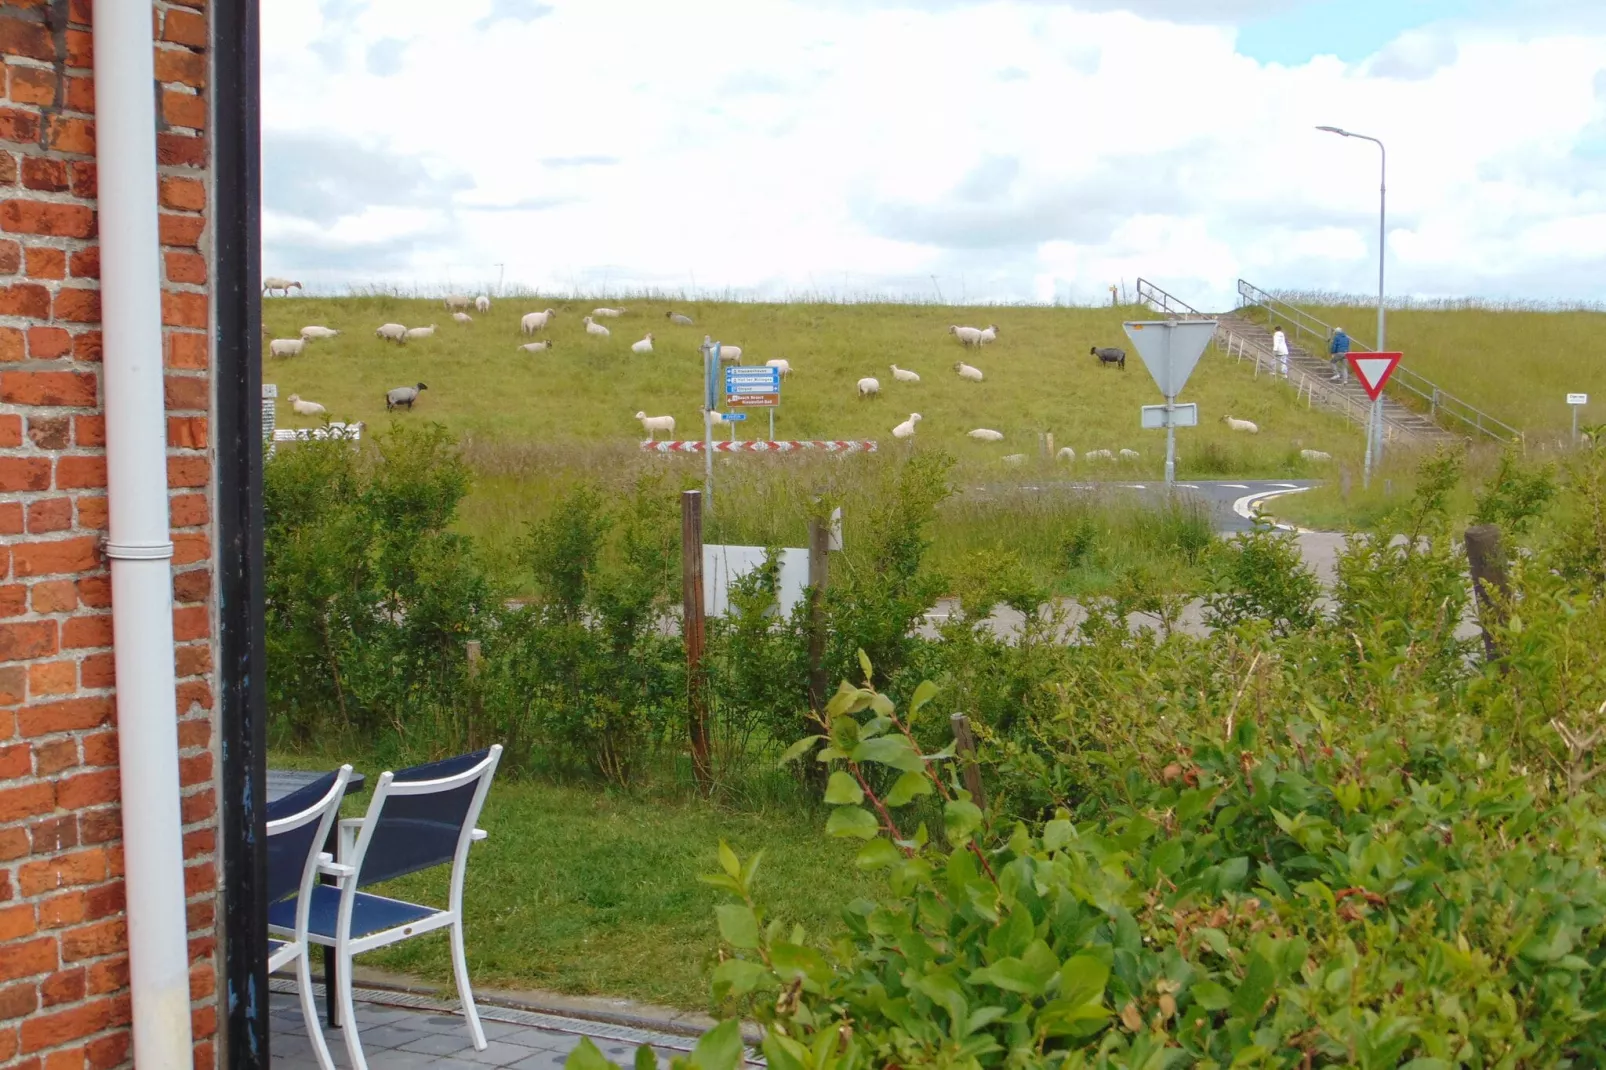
<point>418,818</point>
<point>298,826</point>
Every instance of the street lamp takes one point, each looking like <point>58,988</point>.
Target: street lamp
<point>1382,241</point>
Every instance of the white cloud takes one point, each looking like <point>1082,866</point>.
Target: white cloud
<point>1017,151</point>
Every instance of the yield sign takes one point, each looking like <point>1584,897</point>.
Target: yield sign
<point>1170,349</point>
<point>1373,370</point>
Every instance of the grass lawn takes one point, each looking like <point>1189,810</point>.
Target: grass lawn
<point>588,892</point>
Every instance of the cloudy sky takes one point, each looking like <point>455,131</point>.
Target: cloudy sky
<point>1007,150</point>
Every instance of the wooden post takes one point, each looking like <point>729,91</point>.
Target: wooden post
<point>1048,447</point>
<point>819,579</point>
<point>1486,560</point>
<point>965,747</point>
<point>692,630</point>
<point>476,701</point>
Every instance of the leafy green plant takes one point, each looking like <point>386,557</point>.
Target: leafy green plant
<point>1260,576</point>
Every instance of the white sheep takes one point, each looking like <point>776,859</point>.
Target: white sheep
<point>1066,454</point>
<point>968,336</point>
<point>595,328</point>
<point>967,372</point>
<point>643,346</point>
<point>904,375</point>
<point>869,388</point>
<point>1100,455</point>
<point>458,302</point>
<point>535,321</point>
<point>1247,426</point>
<point>536,347</point>
<point>482,303</point>
<point>907,428</point>
<point>780,363</point>
<point>287,347</point>
<point>1320,456</point>
<point>284,286</point>
<point>462,317</point>
<point>421,332</point>
<point>306,408</point>
<point>730,353</point>
<point>1014,458</point>
<point>309,333</point>
<point>988,335</point>
<point>677,319</point>
<point>654,424</point>
<point>1131,455</point>
<point>392,332</point>
<point>986,434</point>
<point>608,312</point>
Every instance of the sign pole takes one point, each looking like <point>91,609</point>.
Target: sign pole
<point>1170,441</point>
<point>1575,424</point>
<point>772,424</point>
<point>1366,472</point>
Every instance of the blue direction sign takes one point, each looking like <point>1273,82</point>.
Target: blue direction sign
<point>758,387</point>
<point>733,417</point>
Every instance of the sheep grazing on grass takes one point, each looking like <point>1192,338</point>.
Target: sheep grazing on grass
<point>462,317</point>
<point>392,332</point>
<point>989,335</point>
<point>536,347</point>
<point>1320,456</point>
<point>306,408</point>
<point>653,424</point>
<point>869,388</point>
<point>1107,357</point>
<point>904,375</point>
<point>595,328</point>
<point>403,395</point>
<point>1131,455</point>
<point>287,347</point>
<point>643,346</point>
<point>310,333</point>
<point>907,428</point>
<point>1014,459</point>
<point>968,336</point>
<point>1066,454</point>
<point>283,286</point>
<point>421,332</point>
<point>1100,455</point>
<point>677,319</point>
<point>608,311</point>
<point>482,303</point>
<point>535,321</point>
<point>986,434</point>
<point>967,372</point>
<point>732,354</point>
<point>459,302</point>
<point>781,364</point>
<point>1248,427</point>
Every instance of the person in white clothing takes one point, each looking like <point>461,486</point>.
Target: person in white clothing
<point>1279,350</point>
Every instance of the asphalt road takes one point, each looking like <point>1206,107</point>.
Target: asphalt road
<point>1232,502</point>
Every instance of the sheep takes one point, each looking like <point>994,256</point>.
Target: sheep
<point>781,363</point>
<point>403,395</point>
<point>1320,456</point>
<point>1100,455</point>
<point>535,321</point>
<point>458,302</point>
<point>968,336</point>
<point>903,375</point>
<point>1107,357</point>
<point>306,408</point>
<point>984,434</point>
<point>1014,458</point>
<point>1247,426</point>
<point>309,333</point>
<point>643,346</point>
<point>907,428</point>
<point>654,424</point>
<point>1131,455</point>
<point>287,347</point>
<point>284,286</point>
<point>462,317</point>
<point>536,347</point>
<point>392,332</point>
<point>608,311</point>
<point>989,335</point>
<point>421,332</point>
<point>595,328</point>
<point>1066,454</point>
<point>869,388</point>
<point>482,303</point>
<point>730,353</point>
<point>677,319</point>
<point>967,372</point>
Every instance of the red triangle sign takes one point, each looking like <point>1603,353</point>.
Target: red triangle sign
<point>1373,370</point>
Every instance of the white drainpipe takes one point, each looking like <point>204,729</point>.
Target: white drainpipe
<point>140,546</point>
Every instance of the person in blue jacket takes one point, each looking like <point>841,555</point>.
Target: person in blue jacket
<point>1338,353</point>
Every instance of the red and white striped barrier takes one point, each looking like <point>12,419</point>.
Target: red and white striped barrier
<point>761,446</point>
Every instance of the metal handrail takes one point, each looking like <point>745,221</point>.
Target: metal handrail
<point>1440,402</point>
<point>1149,293</point>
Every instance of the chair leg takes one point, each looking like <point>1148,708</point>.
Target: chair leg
<point>464,993</point>
<point>309,1011</point>
<point>348,1011</point>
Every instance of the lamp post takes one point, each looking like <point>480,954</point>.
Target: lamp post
<point>1376,425</point>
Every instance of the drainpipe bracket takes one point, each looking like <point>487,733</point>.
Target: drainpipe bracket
<point>139,551</point>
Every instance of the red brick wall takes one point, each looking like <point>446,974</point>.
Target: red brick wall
<point>64,1000</point>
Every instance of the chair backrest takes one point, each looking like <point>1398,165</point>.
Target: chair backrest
<point>298,825</point>
<point>423,817</point>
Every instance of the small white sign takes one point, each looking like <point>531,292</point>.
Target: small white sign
<point>270,390</point>
<point>1578,399</point>
<point>1184,415</point>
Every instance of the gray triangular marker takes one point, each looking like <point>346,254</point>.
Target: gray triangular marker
<point>1170,349</point>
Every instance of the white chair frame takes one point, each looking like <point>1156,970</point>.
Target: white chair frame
<point>297,946</point>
